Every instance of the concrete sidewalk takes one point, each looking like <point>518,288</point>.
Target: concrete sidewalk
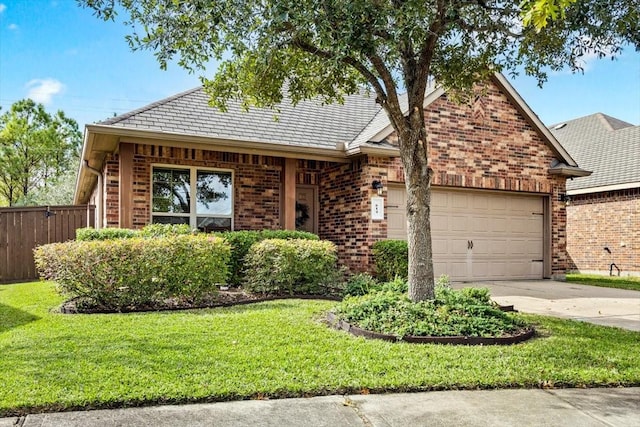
<point>569,407</point>
<point>593,304</point>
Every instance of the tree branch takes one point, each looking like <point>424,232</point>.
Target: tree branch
<point>368,75</point>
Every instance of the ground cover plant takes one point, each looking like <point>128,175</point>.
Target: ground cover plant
<point>466,312</point>
<point>281,348</point>
<point>631,283</point>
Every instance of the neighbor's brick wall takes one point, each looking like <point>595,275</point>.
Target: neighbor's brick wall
<point>256,183</point>
<point>489,145</point>
<point>607,219</point>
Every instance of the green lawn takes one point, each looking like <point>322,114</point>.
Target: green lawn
<point>632,283</point>
<point>58,362</point>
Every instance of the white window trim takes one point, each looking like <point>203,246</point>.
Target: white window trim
<point>193,174</point>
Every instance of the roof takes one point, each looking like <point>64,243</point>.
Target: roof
<point>308,124</point>
<point>309,129</point>
<point>608,146</point>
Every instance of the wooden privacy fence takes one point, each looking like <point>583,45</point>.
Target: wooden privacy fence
<point>24,228</point>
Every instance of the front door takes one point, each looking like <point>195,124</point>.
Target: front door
<point>306,208</point>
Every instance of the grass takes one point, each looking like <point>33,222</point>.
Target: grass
<point>52,362</point>
<point>631,283</point>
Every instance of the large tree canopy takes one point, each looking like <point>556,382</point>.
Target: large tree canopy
<point>327,48</point>
<point>35,149</point>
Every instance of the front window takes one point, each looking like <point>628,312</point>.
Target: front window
<point>199,197</point>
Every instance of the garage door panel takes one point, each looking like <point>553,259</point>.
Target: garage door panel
<point>506,230</point>
<point>480,224</point>
<point>497,204</point>
<point>497,224</point>
<point>459,200</point>
<point>498,247</point>
<point>439,246</point>
<point>439,200</point>
<point>439,222</point>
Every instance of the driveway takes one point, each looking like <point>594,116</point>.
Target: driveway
<point>593,304</point>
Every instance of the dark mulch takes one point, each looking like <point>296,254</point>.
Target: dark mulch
<point>223,298</point>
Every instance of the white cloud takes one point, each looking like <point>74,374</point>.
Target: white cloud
<point>43,90</point>
<point>3,7</point>
<point>12,27</point>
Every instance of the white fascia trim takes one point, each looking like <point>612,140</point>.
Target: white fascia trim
<point>614,187</point>
<point>270,148</point>
<point>375,151</point>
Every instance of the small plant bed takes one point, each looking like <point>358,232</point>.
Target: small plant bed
<point>466,316</point>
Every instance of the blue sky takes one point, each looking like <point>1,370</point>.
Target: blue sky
<point>61,55</point>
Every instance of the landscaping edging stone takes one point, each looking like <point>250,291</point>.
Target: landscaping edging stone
<point>459,340</point>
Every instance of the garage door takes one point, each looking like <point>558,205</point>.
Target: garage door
<point>478,235</point>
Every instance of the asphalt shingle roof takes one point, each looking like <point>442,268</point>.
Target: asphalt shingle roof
<point>605,145</point>
<point>309,124</point>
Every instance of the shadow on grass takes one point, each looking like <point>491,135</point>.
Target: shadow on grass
<point>11,317</point>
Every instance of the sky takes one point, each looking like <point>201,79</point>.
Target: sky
<point>61,55</point>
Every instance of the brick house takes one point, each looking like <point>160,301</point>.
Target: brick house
<point>334,170</point>
<point>604,208</point>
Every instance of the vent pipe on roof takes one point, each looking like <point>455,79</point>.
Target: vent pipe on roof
<point>98,196</point>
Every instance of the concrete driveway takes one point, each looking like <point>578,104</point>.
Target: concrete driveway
<point>602,306</point>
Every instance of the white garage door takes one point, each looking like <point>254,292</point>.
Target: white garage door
<point>478,235</point>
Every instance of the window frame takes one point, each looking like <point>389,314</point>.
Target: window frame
<point>193,178</point>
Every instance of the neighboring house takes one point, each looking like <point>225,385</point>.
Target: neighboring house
<point>499,175</point>
<point>603,215</point>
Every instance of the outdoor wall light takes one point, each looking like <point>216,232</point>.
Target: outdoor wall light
<point>377,185</point>
<point>562,197</point>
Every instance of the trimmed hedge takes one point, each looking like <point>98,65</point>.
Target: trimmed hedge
<point>241,242</point>
<point>136,272</point>
<point>292,267</point>
<point>391,259</point>
<point>89,234</point>
<point>148,231</point>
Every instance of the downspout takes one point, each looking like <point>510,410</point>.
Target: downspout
<point>98,196</point>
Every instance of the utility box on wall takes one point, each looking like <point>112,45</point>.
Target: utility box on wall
<point>377,208</point>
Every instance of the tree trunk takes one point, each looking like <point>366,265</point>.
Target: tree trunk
<point>413,151</point>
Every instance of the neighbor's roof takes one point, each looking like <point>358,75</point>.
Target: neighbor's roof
<point>605,145</point>
<point>308,124</point>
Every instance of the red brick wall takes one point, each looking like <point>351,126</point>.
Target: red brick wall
<point>345,208</point>
<point>256,183</point>
<point>490,145</point>
<point>607,219</point>
<point>487,146</point>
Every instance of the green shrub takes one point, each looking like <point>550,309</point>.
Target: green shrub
<point>465,312</point>
<point>137,272</point>
<point>148,231</point>
<point>162,230</point>
<point>88,234</point>
<point>391,259</point>
<point>360,284</point>
<point>291,267</point>
<point>241,241</point>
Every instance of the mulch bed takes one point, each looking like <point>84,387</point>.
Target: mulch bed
<point>223,298</point>
<point>517,337</point>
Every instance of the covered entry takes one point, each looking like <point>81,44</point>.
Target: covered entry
<point>479,235</point>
